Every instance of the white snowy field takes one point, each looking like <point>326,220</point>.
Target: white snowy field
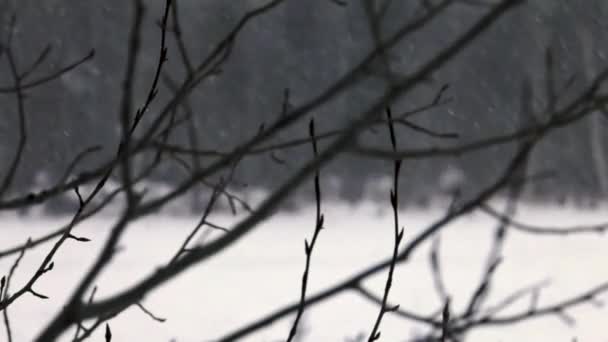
<point>262,272</point>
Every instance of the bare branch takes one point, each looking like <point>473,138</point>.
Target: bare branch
<point>398,235</point>
<point>45,79</point>
<point>199,254</point>
<point>599,228</point>
<point>309,247</point>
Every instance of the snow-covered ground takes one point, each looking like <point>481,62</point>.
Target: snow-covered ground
<point>262,272</point>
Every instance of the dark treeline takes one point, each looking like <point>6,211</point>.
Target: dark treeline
<point>297,50</point>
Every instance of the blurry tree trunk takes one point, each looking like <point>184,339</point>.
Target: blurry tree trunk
<point>196,203</point>
<point>528,118</point>
<point>598,152</point>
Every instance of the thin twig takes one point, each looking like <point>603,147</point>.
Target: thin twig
<point>309,247</point>
<point>398,235</point>
<point>4,295</point>
<point>46,79</point>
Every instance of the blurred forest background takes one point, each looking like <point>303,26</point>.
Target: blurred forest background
<point>298,49</point>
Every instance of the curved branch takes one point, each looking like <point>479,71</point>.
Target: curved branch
<point>545,230</point>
